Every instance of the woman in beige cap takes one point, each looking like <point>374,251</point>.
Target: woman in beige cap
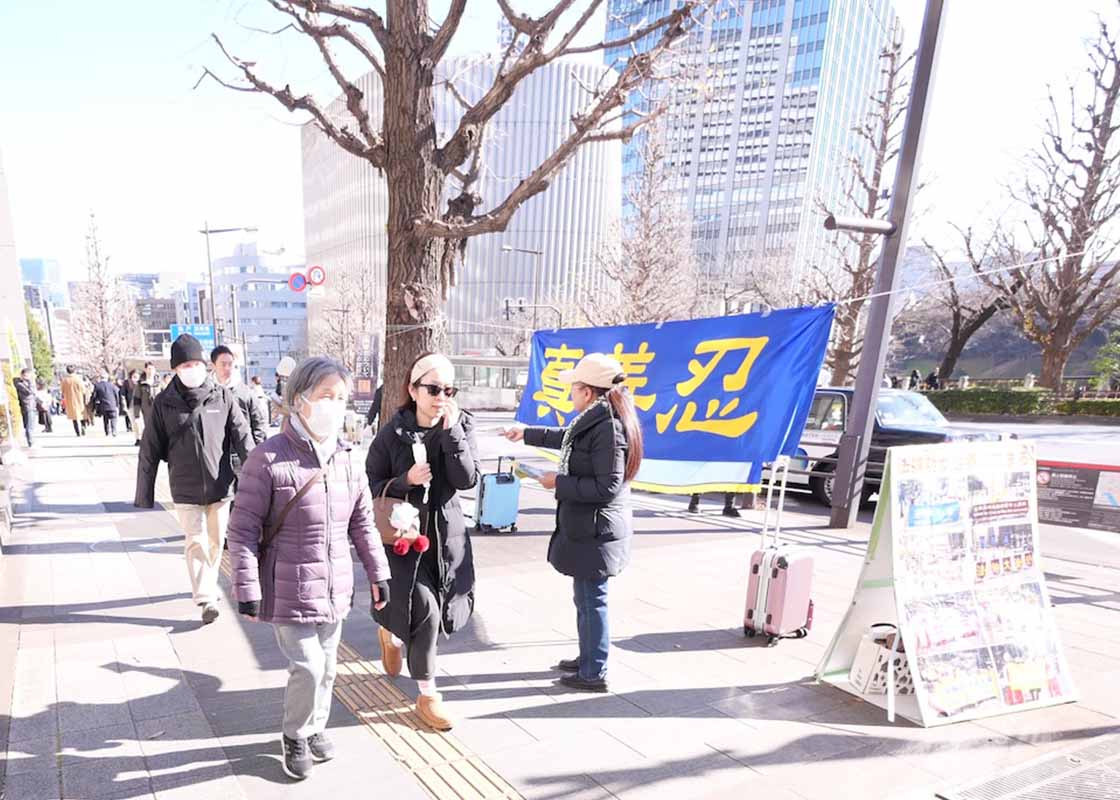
<point>600,452</point>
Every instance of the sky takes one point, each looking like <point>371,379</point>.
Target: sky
<point>98,112</point>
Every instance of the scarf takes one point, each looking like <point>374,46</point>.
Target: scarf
<point>566,445</point>
<point>324,449</point>
<point>192,396</point>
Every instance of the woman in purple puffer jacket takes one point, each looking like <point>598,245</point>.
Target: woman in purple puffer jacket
<point>314,497</point>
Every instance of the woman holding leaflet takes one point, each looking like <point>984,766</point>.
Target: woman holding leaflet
<point>600,452</point>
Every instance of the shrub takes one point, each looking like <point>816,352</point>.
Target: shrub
<point>992,401</point>
<point>1092,408</point>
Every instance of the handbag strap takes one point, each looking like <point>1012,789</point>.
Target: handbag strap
<point>270,531</point>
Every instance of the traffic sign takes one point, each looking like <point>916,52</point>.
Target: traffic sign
<point>204,334</point>
<point>297,282</point>
<point>316,275</point>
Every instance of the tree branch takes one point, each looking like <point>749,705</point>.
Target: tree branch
<point>435,51</point>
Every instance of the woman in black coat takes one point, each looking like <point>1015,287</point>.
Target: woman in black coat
<point>431,591</point>
<point>600,452</point>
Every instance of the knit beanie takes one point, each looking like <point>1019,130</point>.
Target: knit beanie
<point>185,348</point>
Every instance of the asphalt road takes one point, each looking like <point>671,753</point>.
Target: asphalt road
<point>1093,444</point>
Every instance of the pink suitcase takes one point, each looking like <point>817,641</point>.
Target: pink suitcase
<point>781,579</point>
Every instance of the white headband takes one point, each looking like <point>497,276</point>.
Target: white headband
<point>428,363</point>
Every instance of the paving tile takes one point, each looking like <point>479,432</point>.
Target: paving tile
<point>170,735</point>
<point>32,755</point>
<point>34,726</point>
<point>106,780</point>
<point>110,743</point>
<point>43,784</point>
<point>83,716</point>
<point>177,700</point>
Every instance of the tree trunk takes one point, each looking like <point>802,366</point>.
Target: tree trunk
<point>1054,358</point>
<point>415,320</point>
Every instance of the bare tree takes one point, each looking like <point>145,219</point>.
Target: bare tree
<point>869,174</point>
<point>404,48</point>
<point>1070,283</point>
<point>963,304</point>
<point>104,325</point>
<point>647,261</point>
<point>347,314</point>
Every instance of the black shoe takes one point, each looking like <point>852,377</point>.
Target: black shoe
<point>209,613</point>
<point>321,747</point>
<point>297,757</point>
<point>568,665</point>
<point>137,442</point>
<point>731,511</point>
<point>582,685</point>
<point>693,509</point>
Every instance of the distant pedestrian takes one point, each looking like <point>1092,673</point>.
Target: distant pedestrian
<point>25,393</point>
<point>44,403</point>
<point>107,402</point>
<point>915,381</point>
<point>74,399</point>
<point>433,589</point>
<point>600,452</point>
<point>125,388</point>
<point>227,374</point>
<point>896,382</point>
<point>302,501</point>
<point>729,509</point>
<point>260,397</point>
<point>195,426</point>
<point>933,381</point>
<point>374,412</point>
<point>90,410</point>
<point>283,370</point>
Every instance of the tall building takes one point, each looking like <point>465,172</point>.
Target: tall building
<point>157,315</point>
<point>141,284</point>
<point>45,274</point>
<point>543,256</point>
<point>13,319</point>
<point>759,135</point>
<point>193,305</point>
<point>255,306</point>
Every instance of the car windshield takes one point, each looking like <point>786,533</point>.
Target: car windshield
<point>908,408</point>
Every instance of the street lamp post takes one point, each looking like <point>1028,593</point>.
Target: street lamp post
<point>506,248</point>
<point>206,231</point>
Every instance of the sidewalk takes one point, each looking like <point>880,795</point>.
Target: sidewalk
<point>117,691</point>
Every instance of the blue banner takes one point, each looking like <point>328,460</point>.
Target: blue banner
<point>204,334</point>
<point>717,398</point>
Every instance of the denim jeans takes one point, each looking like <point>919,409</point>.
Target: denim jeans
<point>593,626</point>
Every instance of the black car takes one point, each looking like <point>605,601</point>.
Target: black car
<point>901,418</point>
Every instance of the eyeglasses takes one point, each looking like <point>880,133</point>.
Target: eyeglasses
<point>435,390</point>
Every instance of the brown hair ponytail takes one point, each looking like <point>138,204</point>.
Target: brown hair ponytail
<point>623,404</point>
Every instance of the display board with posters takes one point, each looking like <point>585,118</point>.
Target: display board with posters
<point>367,363</point>
<point>954,563</point>
<point>1079,495</point>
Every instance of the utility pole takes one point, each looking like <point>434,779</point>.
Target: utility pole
<point>856,441</point>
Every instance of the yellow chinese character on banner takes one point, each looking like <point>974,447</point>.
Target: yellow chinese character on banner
<point>634,365</point>
<point>717,414</point>
<point>553,395</point>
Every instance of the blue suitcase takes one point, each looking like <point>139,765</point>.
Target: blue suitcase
<point>499,498</point>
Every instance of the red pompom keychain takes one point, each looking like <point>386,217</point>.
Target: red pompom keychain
<point>421,544</point>
<point>401,546</point>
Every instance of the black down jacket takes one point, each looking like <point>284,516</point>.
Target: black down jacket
<point>593,516</point>
<point>197,447</point>
<point>454,468</point>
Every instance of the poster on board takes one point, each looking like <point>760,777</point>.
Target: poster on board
<point>954,563</point>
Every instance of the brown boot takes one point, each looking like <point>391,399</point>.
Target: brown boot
<point>430,709</point>
<point>390,653</point>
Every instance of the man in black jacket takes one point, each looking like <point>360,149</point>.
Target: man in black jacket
<point>107,402</point>
<point>25,390</point>
<point>227,375</point>
<point>195,426</point>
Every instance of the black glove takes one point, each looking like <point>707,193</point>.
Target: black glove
<point>250,609</point>
<point>383,590</point>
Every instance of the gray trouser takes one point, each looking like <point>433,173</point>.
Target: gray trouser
<point>312,653</point>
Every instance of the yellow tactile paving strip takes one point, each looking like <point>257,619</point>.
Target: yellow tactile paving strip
<point>444,766</point>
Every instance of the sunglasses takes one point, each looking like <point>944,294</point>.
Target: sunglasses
<point>435,390</point>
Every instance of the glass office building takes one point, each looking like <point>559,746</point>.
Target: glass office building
<point>759,128</point>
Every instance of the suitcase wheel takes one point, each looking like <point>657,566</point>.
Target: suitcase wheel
<point>513,529</point>
<point>749,631</point>
<point>801,633</point>
<point>773,640</point>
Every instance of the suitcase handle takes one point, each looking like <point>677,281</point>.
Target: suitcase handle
<point>780,464</point>
<point>512,461</point>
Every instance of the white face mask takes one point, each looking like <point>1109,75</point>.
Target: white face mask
<point>325,418</point>
<point>193,377</point>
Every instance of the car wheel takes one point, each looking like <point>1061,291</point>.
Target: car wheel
<point>822,484</point>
